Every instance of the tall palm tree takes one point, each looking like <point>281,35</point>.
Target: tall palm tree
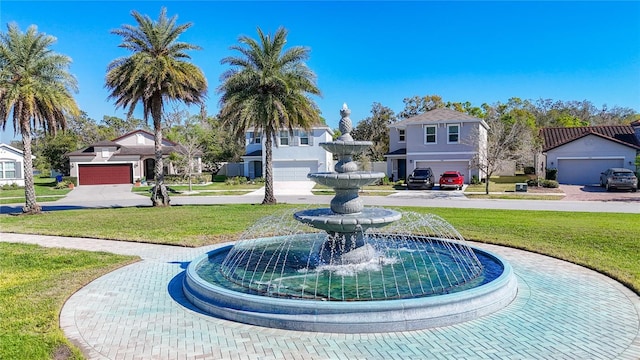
<point>155,73</point>
<point>267,89</point>
<point>35,91</point>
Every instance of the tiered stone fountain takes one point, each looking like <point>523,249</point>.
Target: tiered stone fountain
<point>347,220</point>
<point>327,269</point>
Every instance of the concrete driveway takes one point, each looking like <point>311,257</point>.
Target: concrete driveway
<point>93,193</point>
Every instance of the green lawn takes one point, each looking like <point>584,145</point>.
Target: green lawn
<point>36,281</point>
<point>45,191</point>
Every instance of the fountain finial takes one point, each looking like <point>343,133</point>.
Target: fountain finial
<point>345,125</point>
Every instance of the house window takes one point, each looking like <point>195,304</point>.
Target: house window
<point>284,138</point>
<point>453,132</point>
<point>304,138</point>
<point>430,134</point>
<point>7,170</point>
<point>139,139</point>
<point>254,137</point>
<point>401,136</point>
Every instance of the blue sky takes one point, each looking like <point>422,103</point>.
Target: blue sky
<point>375,51</point>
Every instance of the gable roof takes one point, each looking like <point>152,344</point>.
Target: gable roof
<point>152,135</point>
<point>122,150</point>
<point>435,116</point>
<point>557,136</point>
<point>16,151</point>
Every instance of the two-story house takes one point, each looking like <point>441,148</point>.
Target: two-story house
<point>442,139</point>
<point>123,160</point>
<point>295,155</point>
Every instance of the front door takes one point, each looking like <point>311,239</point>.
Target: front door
<point>149,169</point>
<point>402,169</point>
<point>257,169</point>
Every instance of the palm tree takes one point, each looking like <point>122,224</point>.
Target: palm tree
<point>156,72</point>
<point>35,91</point>
<point>266,89</point>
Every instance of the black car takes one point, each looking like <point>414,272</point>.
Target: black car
<point>420,178</point>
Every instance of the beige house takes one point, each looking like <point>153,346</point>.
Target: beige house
<point>123,160</point>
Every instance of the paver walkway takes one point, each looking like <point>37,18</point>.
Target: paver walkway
<point>562,311</point>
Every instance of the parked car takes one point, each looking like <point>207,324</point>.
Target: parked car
<point>619,178</point>
<point>420,178</point>
<point>451,179</point>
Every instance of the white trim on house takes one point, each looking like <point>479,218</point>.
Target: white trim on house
<point>440,153</point>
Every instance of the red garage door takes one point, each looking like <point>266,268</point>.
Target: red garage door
<point>103,174</point>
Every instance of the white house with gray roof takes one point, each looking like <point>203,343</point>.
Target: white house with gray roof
<point>296,154</point>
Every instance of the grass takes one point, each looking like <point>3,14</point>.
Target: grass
<point>606,242</point>
<point>34,285</point>
<point>45,191</point>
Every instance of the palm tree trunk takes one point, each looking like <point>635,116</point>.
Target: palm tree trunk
<point>31,206</point>
<point>159,195</point>
<point>269,197</point>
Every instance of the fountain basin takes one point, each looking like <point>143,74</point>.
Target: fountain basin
<point>326,219</point>
<point>351,316</point>
<point>350,180</point>
<point>346,147</point>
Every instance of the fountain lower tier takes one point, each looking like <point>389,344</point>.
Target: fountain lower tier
<point>228,300</point>
<point>332,222</point>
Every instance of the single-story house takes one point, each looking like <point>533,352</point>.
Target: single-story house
<point>296,154</point>
<point>580,154</point>
<point>123,160</point>
<point>12,165</point>
<point>436,139</point>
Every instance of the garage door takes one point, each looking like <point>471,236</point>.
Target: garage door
<point>439,167</point>
<point>293,170</point>
<point>584,171</point>
<point>103,174</point>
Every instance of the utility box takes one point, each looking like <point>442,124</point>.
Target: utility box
<point>521,187</point>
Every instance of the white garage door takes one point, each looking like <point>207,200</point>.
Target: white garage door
<point>293,170</point>
<point>438,167</point>
<point>584,171</point>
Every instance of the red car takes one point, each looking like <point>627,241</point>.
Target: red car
<point>451,179</point>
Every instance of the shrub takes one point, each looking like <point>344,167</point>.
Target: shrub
<point>533,182</point>
<point>550,184</point>
<point>236,180</point>
<point>70,180</point>
<point>551,174</point>
<point>219,178</point>
<point>529,170</point>
<point>62,185</point>
<point>475,180</point>
<point>12,186</point>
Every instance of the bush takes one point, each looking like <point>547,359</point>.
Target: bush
<point>236,180</point>
<point>475,180</point>
<point>551,174</point>
<point>529,170</point>
<point>550,184</point>
<point>219,178</point>
<point>70,180</point>
<point>533,182</point>
<point>12,186</point>
<point>62,185</point>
